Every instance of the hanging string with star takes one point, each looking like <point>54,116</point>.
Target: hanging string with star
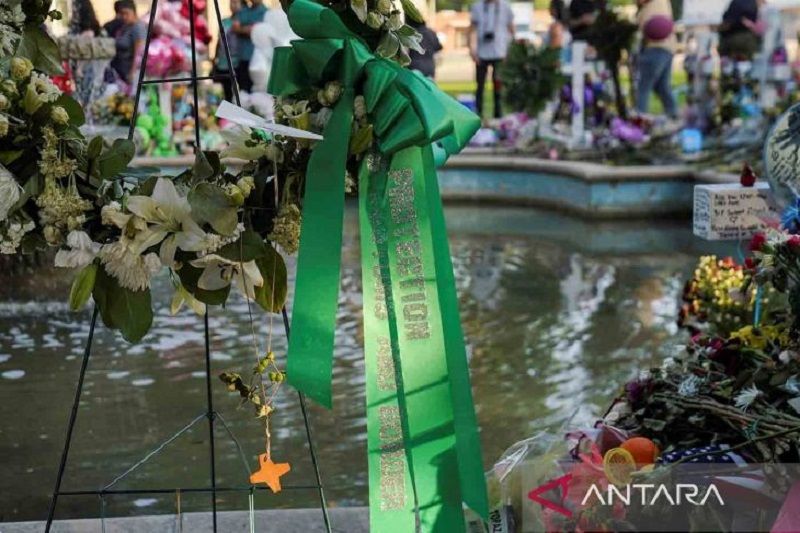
<point>260,392</point>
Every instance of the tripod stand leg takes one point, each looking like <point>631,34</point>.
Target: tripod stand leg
<point>312,451</point>
<point>71,424</point>
<point>211,415</point>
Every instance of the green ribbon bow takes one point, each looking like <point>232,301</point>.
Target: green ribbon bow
<point>423,443</point>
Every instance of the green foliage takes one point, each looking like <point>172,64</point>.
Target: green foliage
<point>116,159</point>
<point>210,204</point>
<point>41,49</point>
<point>128,311</point>
<point>271,296</point>
<point>82,287</point>
<point>531,76</point>
<point>611,35</point>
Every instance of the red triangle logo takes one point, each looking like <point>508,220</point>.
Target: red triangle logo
<point>562,483</point>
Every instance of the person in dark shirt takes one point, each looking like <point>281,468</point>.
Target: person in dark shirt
<point>425,63</point>
<point>130,40</point>
<point>738,37</point>
<point>112,27</point>
<point>582,14</point>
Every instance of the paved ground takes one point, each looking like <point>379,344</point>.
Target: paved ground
<point>344,520</point>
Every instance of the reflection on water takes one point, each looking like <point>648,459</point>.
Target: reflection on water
<point>558,313</point>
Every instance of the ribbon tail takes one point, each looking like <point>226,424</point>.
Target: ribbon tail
<point>419,337</point>
<point>392,498</point>
<point>310,354</point>
<point>468,445</point>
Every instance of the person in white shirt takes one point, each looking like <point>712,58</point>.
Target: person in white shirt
<point>491,31</point>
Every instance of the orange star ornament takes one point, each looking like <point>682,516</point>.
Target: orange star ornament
<point>270,473</point>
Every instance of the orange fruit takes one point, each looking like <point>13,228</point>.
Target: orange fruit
<point>644,451</point>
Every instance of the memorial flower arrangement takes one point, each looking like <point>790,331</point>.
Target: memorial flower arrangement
<point>737,381</point>
<point>358,120</point>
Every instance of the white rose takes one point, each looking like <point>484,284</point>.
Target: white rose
<point>9,192</point>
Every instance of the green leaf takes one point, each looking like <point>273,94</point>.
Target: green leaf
<point>9,156</point>
<point>211,205</point>
<point>76,116</point>
<point>94,148</point>
<point>411,11</point>
<point>360,9</point>
<point>34,186</point>
<point>41,49</point>
<point>388,45</point>
<point>207,166</point>
<point>123,309</point>
<point>362,140</point>
<point>271,296</point>
<point>189,276</point>
<point>115,160</point>
<point>248,247</point>
<point>82,287</point>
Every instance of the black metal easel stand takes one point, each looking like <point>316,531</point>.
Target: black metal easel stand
<point>210,414</point>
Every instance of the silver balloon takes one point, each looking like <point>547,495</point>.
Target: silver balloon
<point>782,158</point>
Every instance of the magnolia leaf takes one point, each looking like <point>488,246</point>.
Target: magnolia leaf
<point>247,247</point>
<point>211,205</point>
<point>360,9</point>
<point>411,11</point>
<point>388,45</point>
<point>123,309</point>
<point>41,49</point>
<point>361,140</point>
<point>82,287</point>
<point>95,148</point>
<point>271,296</point>
<point>207,166</point>
<point>34,186</point>
<point>9,156</point>
<point>189,276</point>
<point>115,160</point>
<point>76,115</point>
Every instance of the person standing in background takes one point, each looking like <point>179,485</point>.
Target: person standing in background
<point>582,14</point>
<point>221,67</point>
<point>130,38</point>
<point>425,63</point>
<point>112,26</point>
<point>655,60</point>
<point>738,34</point>
<point>242,25</point>
<point>491,31</point>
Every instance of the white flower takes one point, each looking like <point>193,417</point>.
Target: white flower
<point>81,253</point>
<point>169,216</point>
<point>4,125</point>
<point>746,397</point>
<point>241,145</point>
<point>40,90</point>
<point>14,232</point>
<point>20,68</point>
<point>219,273</point>
<point>131,269</point>
<point>689,386</point>
<point>9,192</point>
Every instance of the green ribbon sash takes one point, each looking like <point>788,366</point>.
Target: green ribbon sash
<point>423,443</point>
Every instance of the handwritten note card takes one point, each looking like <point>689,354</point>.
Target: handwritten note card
<point>728,211</point>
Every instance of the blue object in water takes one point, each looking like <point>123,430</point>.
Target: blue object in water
<point>691,140</point>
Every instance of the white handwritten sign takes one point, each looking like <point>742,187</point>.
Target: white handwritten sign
<point>728,211</point>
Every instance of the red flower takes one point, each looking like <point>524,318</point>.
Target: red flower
<point>793,242</point>
<point>758,242</point>
<point>750,263</point>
